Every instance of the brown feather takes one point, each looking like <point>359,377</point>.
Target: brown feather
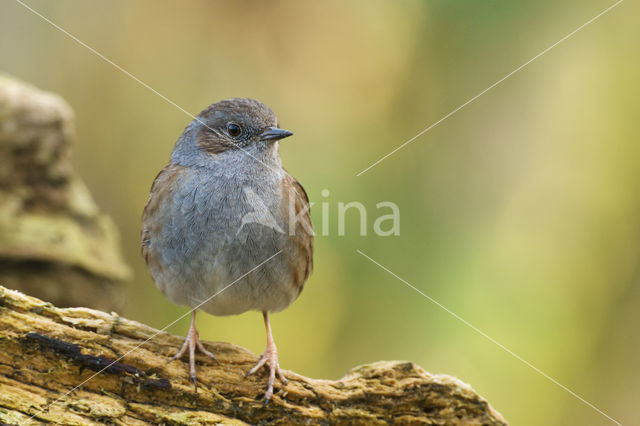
<point>211,143</point>
<point>161,190</point>
<point>301,260</point>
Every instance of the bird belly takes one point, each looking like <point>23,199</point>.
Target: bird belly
<point>212,258</point>
<point>231,277</point>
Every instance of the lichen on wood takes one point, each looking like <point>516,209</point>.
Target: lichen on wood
<point>51,358</point>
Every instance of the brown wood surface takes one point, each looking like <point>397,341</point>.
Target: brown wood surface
<point>46,352</point>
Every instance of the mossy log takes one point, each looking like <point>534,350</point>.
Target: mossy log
<point>55,243</point>
<point>57,365</point>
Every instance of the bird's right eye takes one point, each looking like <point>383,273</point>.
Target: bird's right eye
<point>233,129</point>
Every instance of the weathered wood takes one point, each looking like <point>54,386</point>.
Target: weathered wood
<point>55,243</point>
<point>50,357</point>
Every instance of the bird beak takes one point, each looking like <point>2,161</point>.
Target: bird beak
<point>274,134</point>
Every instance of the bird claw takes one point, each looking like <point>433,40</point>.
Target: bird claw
<point>261,361</point>
<point>192,342</point>
<point>270,356</point>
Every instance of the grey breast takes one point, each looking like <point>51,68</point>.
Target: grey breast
<point>221,226</point>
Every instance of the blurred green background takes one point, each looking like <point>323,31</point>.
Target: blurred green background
<point>520,213</point>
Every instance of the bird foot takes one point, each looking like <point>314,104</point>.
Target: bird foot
<point>192,342</point>
<point>270,355</point>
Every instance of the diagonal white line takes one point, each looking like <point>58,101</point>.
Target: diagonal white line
<point>40,410</point>
<point>490,87</point>
<point>491,339</point>
<point>128,74</point>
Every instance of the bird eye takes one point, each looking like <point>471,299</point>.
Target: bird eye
<point>233,129</point>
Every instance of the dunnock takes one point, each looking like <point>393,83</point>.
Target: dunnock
<point>226,229</point>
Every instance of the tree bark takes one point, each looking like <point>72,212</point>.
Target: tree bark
<point>81,366</point>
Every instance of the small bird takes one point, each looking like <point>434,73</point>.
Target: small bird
<point>226,229</point>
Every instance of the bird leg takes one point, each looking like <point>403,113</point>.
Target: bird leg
<point>269,355</point>
<point>191,342</point>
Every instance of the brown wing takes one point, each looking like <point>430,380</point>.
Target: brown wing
<point>151,222</point>
<point>301,259</point>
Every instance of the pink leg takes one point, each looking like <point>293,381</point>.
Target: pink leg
<point>269,355</point>
<point>191,342</point>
